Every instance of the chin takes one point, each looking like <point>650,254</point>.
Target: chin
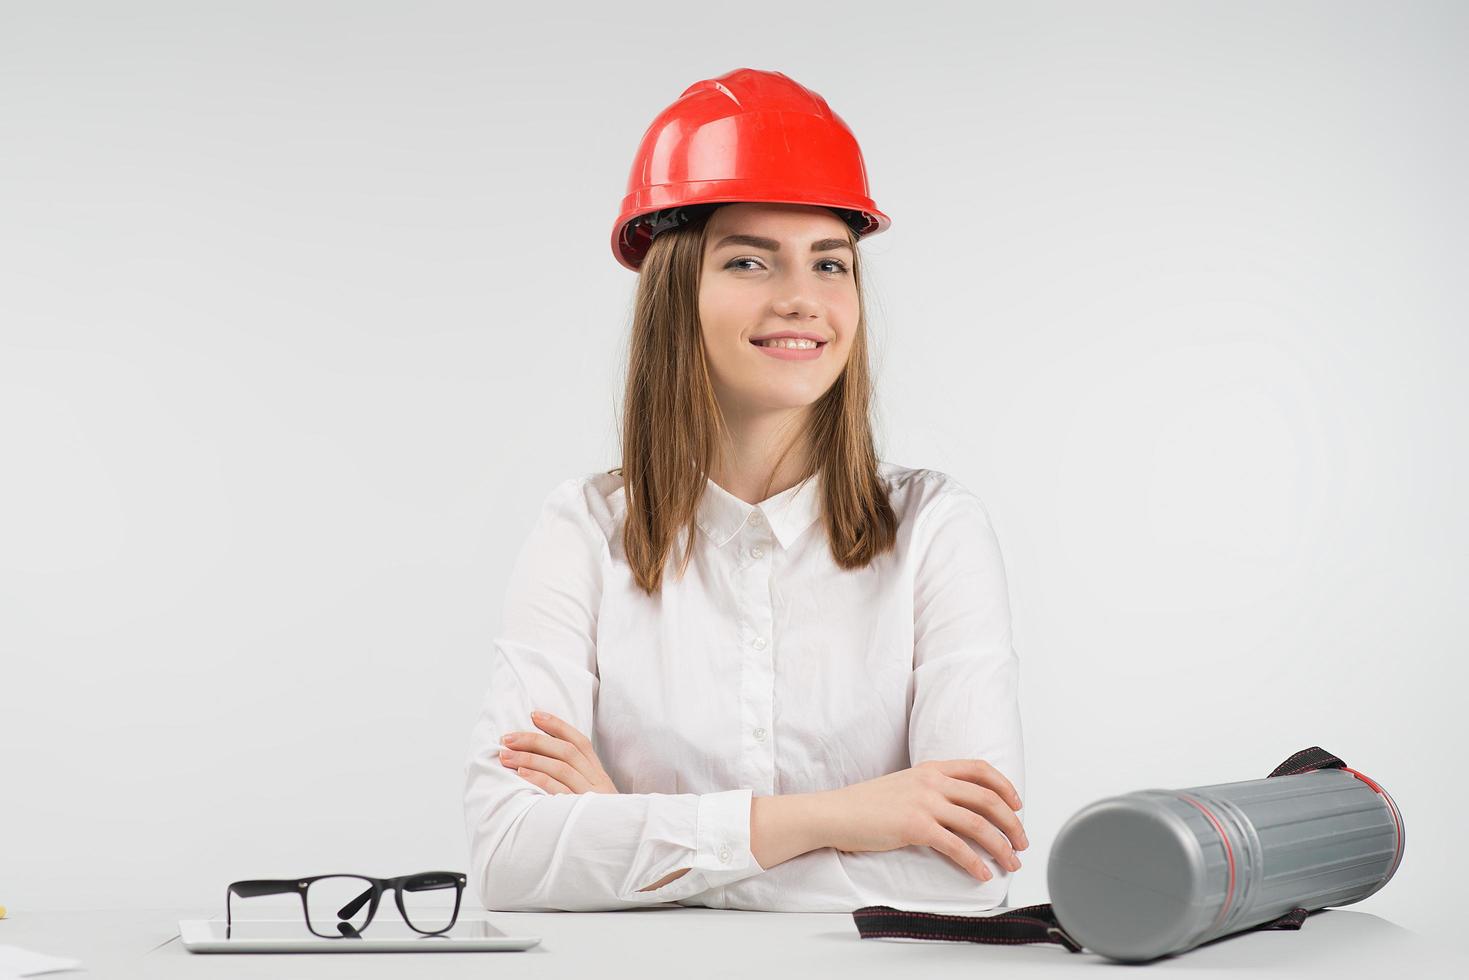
<point>779,401</point>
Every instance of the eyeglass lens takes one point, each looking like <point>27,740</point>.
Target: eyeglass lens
<point>338,905</point>
<point>431,901</point>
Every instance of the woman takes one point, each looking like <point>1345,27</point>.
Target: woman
<point>816,708</point>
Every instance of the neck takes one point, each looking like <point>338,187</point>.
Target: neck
<point>752,460</point>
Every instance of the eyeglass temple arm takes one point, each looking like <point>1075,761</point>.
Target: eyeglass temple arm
<point>264,886</point>
<point>352,907</point>
<point>255,888</point>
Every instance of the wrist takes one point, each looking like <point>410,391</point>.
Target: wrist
<point>826,817</point>
<point>821,809</point>
<point>786,826</point>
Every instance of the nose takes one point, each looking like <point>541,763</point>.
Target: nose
<point>796,307</point>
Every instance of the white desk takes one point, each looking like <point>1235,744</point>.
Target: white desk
<point>716,943</point>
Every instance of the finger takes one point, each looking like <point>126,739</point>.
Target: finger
<point>543,781</point>
<point>589,764</point>
<point>567,731</point>
<point>981,831</point>
<point>952,846</point>
<point>988,804</point>
<point>549,746</point>
<point>981,772</point>
<point>565,774</point>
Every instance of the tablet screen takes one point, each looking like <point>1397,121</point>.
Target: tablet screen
<point>379,931</point>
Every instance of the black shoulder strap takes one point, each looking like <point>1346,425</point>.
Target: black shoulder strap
<point>1037,923</point>
<point>1032,924</point>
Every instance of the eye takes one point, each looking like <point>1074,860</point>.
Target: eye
<point>841,267</point>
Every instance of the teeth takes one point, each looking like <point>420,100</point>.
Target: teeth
<point>787,342</point>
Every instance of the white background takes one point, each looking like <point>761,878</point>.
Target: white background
<point>304,308</point>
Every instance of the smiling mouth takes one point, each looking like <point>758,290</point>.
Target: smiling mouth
<point>783,345</point>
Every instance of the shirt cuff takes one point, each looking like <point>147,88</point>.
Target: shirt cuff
<point>717,830</point>
<point>722,834</point>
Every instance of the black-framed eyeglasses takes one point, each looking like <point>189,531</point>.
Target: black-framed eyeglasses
<point>342,906</point>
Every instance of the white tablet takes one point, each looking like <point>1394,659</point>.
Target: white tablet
<point>292,936</point>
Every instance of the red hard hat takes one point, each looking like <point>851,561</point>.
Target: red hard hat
<point>748,135</point>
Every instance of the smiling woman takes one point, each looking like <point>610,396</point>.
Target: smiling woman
<point>713,404</point>
<point>816,708</point>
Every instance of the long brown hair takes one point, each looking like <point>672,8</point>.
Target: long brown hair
<point>672,424</point>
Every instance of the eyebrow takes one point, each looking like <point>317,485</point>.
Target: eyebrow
<point>770,244</point>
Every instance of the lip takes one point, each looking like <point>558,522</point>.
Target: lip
<point>793,335</point>
<point>791,354</point>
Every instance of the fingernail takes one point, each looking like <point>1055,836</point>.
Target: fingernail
<point>538,715</point>
<point>1016,859</point>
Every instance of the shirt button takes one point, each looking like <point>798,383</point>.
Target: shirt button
<point>759,643</point>
<point>724,853</point>
<point>756,552</point>
<point>755,518</point>
<point>759,734</point>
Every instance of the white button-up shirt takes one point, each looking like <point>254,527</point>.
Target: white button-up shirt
<point>766,669</point>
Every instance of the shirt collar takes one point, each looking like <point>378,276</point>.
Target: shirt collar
<point>721,514</point>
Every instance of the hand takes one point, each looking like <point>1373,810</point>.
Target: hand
<point>559,759</point>
<point>927,805</point>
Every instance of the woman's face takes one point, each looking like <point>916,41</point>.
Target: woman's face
<point>788,270</point>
